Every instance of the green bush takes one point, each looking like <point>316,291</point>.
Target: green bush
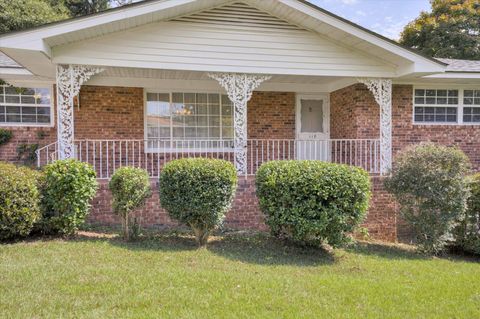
<point>19,201</point>
<point>313,202</point>
<point>467,234</point>
<point>5,136</point>
<point>67,188</point>
<point>130,188</point>
<point>198,192</point>
<point>428,182</point>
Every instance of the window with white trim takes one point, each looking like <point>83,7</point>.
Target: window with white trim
<point>25,106</point>
<point>436,106</point>
<point>188,121</point>
<point>471,106</point>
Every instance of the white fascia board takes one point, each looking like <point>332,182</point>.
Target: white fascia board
<point>422,64</point>
<point>454,75</point>
<point>33,39</point>
<point>13,71</point>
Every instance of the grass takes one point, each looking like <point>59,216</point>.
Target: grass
<point>166,276</point>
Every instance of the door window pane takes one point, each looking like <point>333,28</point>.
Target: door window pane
<point>311,116</point>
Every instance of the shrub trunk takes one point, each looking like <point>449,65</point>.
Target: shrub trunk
<point>201,235</point>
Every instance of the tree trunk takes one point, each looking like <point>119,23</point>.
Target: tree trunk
<point>201,235</point>
<point>126,230</point>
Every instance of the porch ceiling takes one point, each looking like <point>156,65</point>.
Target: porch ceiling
<point>196,80</point>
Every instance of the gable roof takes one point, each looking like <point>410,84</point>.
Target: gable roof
<point>297,12</point>
<point>457,65</point>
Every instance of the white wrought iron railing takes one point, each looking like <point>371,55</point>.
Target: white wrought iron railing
<point>108,155</point>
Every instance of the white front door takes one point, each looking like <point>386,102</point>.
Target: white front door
<point>313,127</point>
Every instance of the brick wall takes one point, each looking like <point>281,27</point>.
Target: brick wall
<point>109,113</point>
<point>271,115</point>
<point>356,106</point>
<point>245,212</point>
<point>354,113</point>
<point>466,137</point>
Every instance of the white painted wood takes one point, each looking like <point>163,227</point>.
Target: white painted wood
<point>286,17</point>
<point>313,145</point>
<point>240,45</point>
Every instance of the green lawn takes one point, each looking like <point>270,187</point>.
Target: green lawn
<point>235,277</point>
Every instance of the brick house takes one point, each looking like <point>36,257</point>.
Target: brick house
<point>247,81</point>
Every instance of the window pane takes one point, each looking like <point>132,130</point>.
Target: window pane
<point>29,118</point>
<point>14,105</point>
<point>27,99</point>
<point>14,118</point>
<point>43,118</point>
<point>193,116</point>
<point>435,114</point>
<point>471,114</point>
<point>12,99</point>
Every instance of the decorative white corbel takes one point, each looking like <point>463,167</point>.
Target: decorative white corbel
<point>382,91</point>
<point>69,80</point>
<point>239,89</point>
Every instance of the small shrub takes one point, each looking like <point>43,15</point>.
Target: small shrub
<point>130,188</point>
<point>198,192</point>
<point>313,202</point>
<point>19,201</point>
<point>428,182</point>
<point>67,188</point>
<point>5,136</point>
<point>467,233</point>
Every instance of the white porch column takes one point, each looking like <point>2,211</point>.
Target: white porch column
<point>239,89</point>
<point>69,80</point>
<point>382,91</point>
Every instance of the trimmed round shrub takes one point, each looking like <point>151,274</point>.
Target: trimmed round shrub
<point>313,202</point>
<point>130,187</point>
<point>198,192</point>
<point>19,201</point>
<point>467,234</point>
<point>67,188</point>
<point>428,181</point>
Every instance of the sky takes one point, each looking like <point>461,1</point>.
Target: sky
<point>387,17</point>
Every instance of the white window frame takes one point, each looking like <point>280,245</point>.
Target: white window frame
<point>51,105</point>
<point>460,106</point>
<point>171,140</point>
<point>469,105</point>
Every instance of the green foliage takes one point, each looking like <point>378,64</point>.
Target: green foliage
<point>428,182</point>
<point>130,188</point>
<point>198,192</point>
<point>467,234</point>
<point>19,198</point>
<point>22,14</point>
<point>83,7</point>
<point>313,202</point>
<point>450,30</point>
<point>26,153</point>
<point>5,136</point>
<point>67,188</point>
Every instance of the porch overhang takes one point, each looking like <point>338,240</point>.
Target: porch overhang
<point>335,46</point>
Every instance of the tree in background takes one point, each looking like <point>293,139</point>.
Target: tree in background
<point>83,7</point>
<point>22,14</point>
<point>451,30</point>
